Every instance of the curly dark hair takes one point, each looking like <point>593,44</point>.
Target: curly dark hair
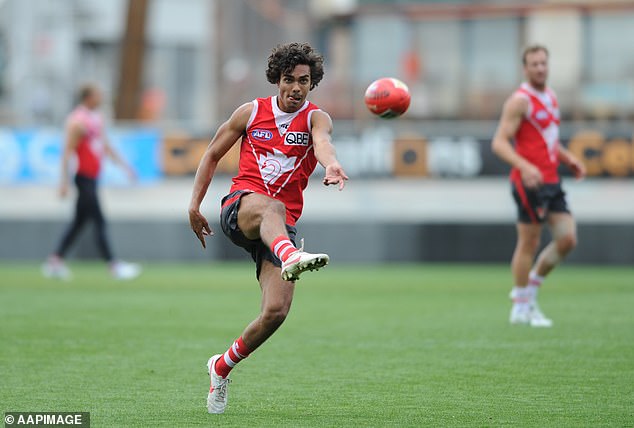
<point>284,58</point>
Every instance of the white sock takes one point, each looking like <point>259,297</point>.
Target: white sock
<point>534,279</point>
<point>520,296</point>
<point>534,283</point>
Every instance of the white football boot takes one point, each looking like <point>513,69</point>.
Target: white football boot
<point>218,390</point>
<point>520,314</point>
<point>55,268</point>
<point>537,317</point>
<point>124,271</point>
<point>300,261</point>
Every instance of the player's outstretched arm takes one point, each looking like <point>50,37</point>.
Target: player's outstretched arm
<point>321,125</point>
<point>226,136</point>
<point>512,113</point>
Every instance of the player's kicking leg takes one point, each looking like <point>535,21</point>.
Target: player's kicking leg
<point>295,261</point>
<point>262,217</point>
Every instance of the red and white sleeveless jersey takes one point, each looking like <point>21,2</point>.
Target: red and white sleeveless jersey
<point>90,148</point>
<point>537,139</point>
<point>277,155</point>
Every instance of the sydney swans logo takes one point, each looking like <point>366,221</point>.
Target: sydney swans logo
<point>274,165</point>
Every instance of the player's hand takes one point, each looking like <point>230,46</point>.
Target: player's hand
<point>577,167</point>
<point>531,176</point>
<point>63,190</point>
<point>199,225</point>
<point>335,175</point>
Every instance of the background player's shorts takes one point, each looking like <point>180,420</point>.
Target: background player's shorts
<point>533,206</point>
<point>229,222</point>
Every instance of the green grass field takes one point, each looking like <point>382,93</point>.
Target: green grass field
<point>393,345</point>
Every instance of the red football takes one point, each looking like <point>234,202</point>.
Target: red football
<point>387,97</point>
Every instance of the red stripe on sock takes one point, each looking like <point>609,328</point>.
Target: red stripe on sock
<point>278,240</point>
<point>243,349</point>
<point>284,245</point>
<point>286,252</point>
<point>221,367</point>
<point>232,355</point>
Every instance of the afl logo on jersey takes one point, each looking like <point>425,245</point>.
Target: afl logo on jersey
<point>262,134</point>
<point>541,115</point>
<point>296,138</point>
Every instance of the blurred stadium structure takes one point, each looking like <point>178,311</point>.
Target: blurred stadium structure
<point>460,58</point>
<point>172,70</point>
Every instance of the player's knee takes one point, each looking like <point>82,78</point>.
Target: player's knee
<point>277,207</point>
<point>529,244</point>
<point>274,316</point>
<point>567,243</point>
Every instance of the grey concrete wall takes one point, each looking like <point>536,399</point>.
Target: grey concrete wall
<point>408,220</point>
<point>345,242</point>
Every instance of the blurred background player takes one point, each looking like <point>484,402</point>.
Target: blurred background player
<point>87,141</point>
<point>531,118</point>
<point>282,139</point>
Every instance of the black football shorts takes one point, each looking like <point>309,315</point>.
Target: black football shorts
<point>534,205</point>
<point>229,222</point>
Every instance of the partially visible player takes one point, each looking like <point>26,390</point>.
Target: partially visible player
<point>86,140</point>
<point>530,117</point>
<point>282,139</point>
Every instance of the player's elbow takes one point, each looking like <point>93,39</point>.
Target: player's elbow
<point>212,156</point>
<point>497,145</point>
<point>494,143</point>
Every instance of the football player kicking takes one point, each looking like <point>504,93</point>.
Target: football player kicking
<point>282,139</point>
